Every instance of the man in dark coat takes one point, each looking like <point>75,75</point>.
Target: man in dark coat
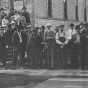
<point>50,40</point>
<point>35,48</point>
<point>12,12</point>
<point>26,15</point>
<point>84,47</point>
<point>3,52</point>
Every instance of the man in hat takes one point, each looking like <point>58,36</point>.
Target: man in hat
<point>60,40</point>
<point>35,48</point>
<point>68,44</point>
<point>2,14</point>
<point>26,15</point>
<point>84,46</point>
<point>20,42</point>
<point>50,40</point>
<point>12,12</point>
<point>5,21</point>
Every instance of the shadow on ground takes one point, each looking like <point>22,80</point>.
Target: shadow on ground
<point>10,80</point>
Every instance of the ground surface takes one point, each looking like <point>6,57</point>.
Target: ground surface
<point>43,78</point>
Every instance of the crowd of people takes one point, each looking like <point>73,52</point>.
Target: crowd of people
<point>13,33</point>
<point>44,46</point>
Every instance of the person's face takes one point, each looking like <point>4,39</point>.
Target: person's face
<point>72,27</point>
<point>62,30</point>
<point>49,27</point>
<point>2,11</point>
<point>13,25</point>
<point>24,10</point>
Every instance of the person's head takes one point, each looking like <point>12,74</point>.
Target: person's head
<point>61,28</point>
<point>81,25</point>
<point>13,24</point>
<point>5,16</point>
<point>48,25</point>
<point>20,13</point>
<point>16,12</point>
<point>77,27</point>
<point>12,10</point>
<point>24,9</point>
<point>42,28</point>
<point>71,25</point>
<point>2,9</point>
<point>57,28</point>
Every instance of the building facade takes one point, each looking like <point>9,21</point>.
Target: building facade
<point>61,11</point>
<point>54,11</point>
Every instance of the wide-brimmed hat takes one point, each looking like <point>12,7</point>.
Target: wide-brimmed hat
<point>48,25</point>
<point>61,26</point>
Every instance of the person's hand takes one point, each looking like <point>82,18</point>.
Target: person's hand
<point>26,55</point>
<point>6,46</point>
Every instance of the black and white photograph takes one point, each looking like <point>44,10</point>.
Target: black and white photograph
<point>43,43</point>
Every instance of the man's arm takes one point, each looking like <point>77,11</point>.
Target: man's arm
<point>57,41</point>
